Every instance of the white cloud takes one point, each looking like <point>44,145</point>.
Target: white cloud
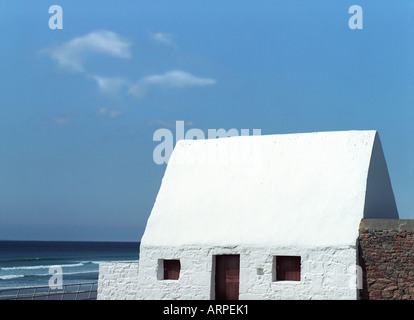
<point>59,121</point>
<point>69,54</point>
<point>105,112</point>
<point>114,114</point>
<point>139,89</point>
<point>62,120</point>
<point>163,38</point>
<point>171,79</point>
<point>101,112</point>
<point>168,123</point>
<point>178,79</point>
<point>111,85</point>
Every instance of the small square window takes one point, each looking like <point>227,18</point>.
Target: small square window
<point>287,268</point>
<point>171,269</point>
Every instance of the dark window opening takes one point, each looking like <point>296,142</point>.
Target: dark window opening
<point>171,269</point>
<point>287,268</point>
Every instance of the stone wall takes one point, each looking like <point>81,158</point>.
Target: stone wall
<point>327,273</point>
<point>386,256</point>
<point>117,280</point>
<point>385,251</point>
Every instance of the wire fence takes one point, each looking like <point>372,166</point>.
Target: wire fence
<point>81,291</point>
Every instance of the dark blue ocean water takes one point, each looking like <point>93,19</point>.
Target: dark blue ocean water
<point>31,263</point>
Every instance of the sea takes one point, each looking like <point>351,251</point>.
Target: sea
<point>32,263</point>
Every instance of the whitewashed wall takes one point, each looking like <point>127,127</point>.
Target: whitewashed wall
<point>117,280</point>
<point>327,273</point>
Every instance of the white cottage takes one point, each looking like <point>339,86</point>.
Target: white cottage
<point>264,217</point>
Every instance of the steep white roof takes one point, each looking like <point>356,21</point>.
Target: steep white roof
<point>309,189</point>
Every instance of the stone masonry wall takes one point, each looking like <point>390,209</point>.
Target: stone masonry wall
<point>327,273</point>
<point>117,280</point>
<point>386,256</point>
<point>385,253</point>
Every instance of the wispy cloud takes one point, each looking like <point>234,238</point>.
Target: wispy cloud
<point>69,55</point>
<point>62,120</point>
<point>58,121</point>
<point>170,79</point>
<point>110,85</point>
<point>178,79</point>
<point>162,38</point>
<point>168,123</point>
<point>106,113</point>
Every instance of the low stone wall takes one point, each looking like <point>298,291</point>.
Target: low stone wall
<point>117,280</point>
<point>386,256</point>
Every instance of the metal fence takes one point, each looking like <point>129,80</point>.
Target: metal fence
<point>82,291</point>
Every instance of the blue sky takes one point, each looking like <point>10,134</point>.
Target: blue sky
<point>79,106</point>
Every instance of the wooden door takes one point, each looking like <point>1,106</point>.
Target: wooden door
<point>227,277</point>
